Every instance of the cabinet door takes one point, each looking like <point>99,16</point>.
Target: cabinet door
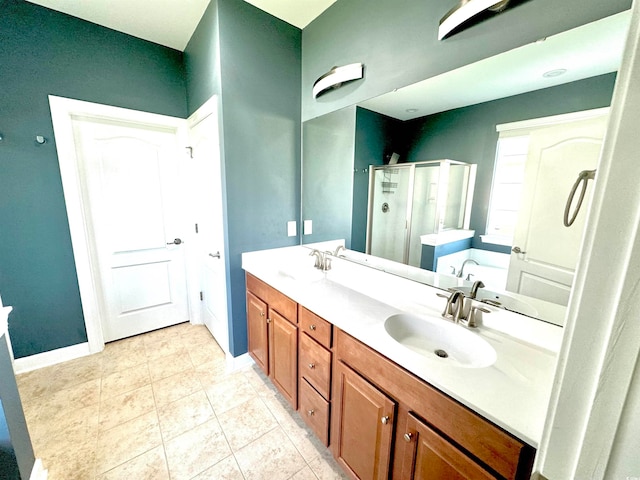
<point>362,426</point>
<point>258,331</point>
<point>283,356</point>
<point>428,456</point>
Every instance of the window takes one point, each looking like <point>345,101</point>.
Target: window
<point>506,190</point>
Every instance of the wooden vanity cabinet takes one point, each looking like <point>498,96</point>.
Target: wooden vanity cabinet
<point>363,426</point>
<point>444,438</point>
<point>273,336</point>
<point>428,456</point>
<point>314,367</point>
<point>379,420</point>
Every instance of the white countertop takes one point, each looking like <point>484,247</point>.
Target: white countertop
<point>513,392</point>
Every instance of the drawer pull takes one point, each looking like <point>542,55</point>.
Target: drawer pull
<point>408,437</point>
<point>312,366</point>
<point>312,328</point>
<point>311,412</point>
<point>385,419</point>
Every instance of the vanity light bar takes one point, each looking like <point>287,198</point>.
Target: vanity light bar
<point>336,77</point>
<point>465,10</point>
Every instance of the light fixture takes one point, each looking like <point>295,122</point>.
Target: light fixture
<point>411,110</point>
<point>337,77</point>
<point>554,73</point>
<point>466,10</point>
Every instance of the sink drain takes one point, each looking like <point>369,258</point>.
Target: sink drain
<point>441,353</point>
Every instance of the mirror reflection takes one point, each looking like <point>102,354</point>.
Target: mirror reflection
<point>512,129</point>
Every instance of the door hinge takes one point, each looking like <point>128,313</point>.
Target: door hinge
<point>201,296</point>
<point>196,228</point>
<point>189,151</point>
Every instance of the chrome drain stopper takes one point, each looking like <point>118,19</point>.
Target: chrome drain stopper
<point>441,353</point>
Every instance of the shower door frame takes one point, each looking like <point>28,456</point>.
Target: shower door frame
<point>409,211</point>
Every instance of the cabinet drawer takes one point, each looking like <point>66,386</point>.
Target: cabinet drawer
<point>276,300</point>
<point>315,365</point>
<point>314,411</point>
<point>315,327</point>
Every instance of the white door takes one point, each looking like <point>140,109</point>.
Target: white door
<point>557,154</point>
<point>210,259</point>
<point>129,174</point>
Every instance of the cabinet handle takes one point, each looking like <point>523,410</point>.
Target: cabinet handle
<point>312,328</point>
<point>262,314</point>
<point>385,419</point>
<point>311,412</point>
<point>268,320</point>
<point>312,366</point>
<point>408,437</point>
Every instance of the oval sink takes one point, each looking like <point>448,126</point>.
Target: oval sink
<point>440,340</point>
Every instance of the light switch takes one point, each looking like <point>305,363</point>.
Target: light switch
<point>291,228</point>
<point>307,227</point>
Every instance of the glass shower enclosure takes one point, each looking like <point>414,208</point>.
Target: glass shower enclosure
<point>409,200</point>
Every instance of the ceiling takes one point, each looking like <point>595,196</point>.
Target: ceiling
<point>590,50</point>
<point>586,51</point>
<point>172,22</point>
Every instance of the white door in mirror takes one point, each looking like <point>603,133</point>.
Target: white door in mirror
<point>545,252</point>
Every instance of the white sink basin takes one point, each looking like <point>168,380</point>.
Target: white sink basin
<point>440,340</point>
<point>302,273</point>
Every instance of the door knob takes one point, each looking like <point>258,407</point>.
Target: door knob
<point>215,255</point>
<point>176,241</point>
<point>518,250</point>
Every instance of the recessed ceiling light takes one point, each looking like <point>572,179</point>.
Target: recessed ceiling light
<point>554,73</point>
<point>411,110</point>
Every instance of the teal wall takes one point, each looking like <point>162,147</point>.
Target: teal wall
<point>45,52</point>
<point>259,66</point>
<point>327,189</point>
<point>374,146</point>
<point>397,41</point>
<point>202,59</point>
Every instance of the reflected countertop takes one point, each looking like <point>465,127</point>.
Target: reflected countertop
<point>513,393</point>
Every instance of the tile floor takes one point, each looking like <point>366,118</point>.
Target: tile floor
<point>160,406</point>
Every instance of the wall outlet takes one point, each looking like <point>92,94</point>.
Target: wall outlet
<point>291,228</point>
<point>307,228</point>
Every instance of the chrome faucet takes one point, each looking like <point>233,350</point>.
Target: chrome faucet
<point>474,288</point>
<point>337,250</point>
<point>468,260</point>
<point>326,261</point>
<point>455,306</point>
<point>463,312</point>
<point>319,258</point>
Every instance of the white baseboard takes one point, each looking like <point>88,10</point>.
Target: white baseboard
<point>38,472</point>
<point>236,363</point>
<point>46,359</point>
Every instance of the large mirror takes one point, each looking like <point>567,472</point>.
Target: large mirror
<point>496,114</point>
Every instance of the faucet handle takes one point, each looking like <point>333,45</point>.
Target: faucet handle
<point>475,316</point>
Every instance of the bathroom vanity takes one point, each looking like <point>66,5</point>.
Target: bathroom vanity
<point>386,407</point>
<point>17,460</point>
